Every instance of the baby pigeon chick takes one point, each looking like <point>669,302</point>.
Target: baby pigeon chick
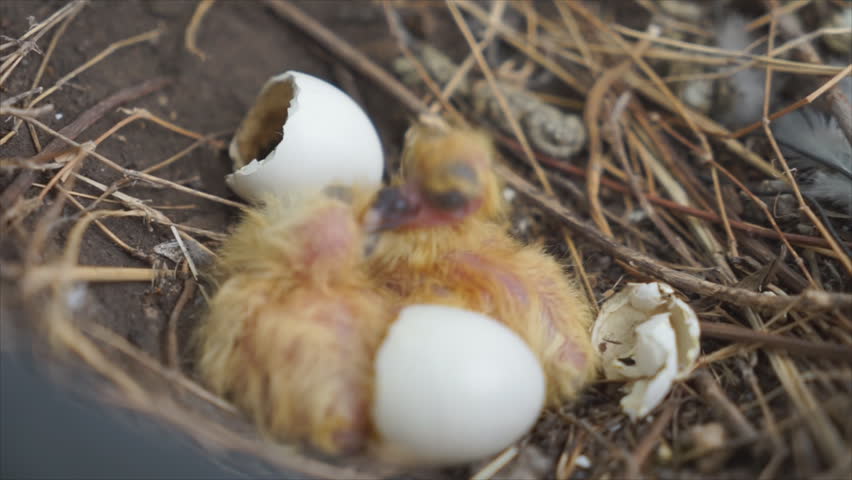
<point>291,332</point>
<point>442,243</point>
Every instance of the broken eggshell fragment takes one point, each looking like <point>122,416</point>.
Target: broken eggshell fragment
<point>327,139</point>
<point>648,336</point>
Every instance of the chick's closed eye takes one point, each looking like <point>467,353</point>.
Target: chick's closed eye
<point>390,209</point>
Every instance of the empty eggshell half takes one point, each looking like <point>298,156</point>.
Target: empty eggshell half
<point>453,386</point>
<point>315,135</point>
<point>647,335</point>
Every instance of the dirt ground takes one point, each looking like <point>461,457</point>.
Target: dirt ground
<point>245,44</point>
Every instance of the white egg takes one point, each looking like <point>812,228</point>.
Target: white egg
<point>327,139</point>
<point>453,386</point>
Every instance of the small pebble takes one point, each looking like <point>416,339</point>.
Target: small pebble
<point>76,297</point>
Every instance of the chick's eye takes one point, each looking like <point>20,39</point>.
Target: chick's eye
<point>451,200</point>
<point>391,202</point>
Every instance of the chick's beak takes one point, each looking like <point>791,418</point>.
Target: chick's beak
<point>393,207</point>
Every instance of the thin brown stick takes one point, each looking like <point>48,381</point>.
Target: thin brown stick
<point>807,100</point>
<point>597,436</point>
<point>567,462</point>
<point>650,440</point>
<point>43,66</point>
<point>771,423</point>
<point>188,206</point>
<point>172,354</point>
<point>823,431</point>
<point>803,206</point>
<point>790,27</point>
<point>715,396</point>
<point>671,21</point>
<point>636,54</point>
<point>346,52</point>
<point>673,102</point>
<point>496,14</point>
<point>396,29</point>
<point>143,114</point>
<point>70,166</point>
<point>29,41</point>
<point>136,174</point>
<point>501,99</point>
<point>580,198</point>
<point>475,49</point>
<point>142,37</point>
<point>495,465</point>
<point>675,240</point>
<point>707,56</point>
<point>74,129</point>
<point>152,214</point>
<point>186,151</point>
<point>109,233</point>
<point>753,244</point>
<point>591,115</point>
<point>762,205</point>
<point>767,17</point>
<point>692,211</point>
<point>521,43</point>
<point>772,341</point>
<point>94,274</point>
<point>120,344</point>
<point>49,22</point>
<point>191,33</point>
<point>779,64</point>
<point>576,35</point>
<point>808,300</point>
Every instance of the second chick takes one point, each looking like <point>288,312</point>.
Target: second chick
<point>443,243</point>
<point>291,332</point>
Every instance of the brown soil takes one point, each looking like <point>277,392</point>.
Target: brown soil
<point>245,45</point>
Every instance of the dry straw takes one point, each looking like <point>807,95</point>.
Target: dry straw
<point>777,332</point>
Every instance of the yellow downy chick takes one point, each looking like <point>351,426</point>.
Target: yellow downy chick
<point>291,332</point>
<point>442,243</point>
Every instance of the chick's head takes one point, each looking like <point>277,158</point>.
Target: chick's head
<point>446,178</point>
<point>312,235</point>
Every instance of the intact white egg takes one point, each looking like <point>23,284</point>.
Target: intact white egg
<point>327,139</point>
<point>453,386</point>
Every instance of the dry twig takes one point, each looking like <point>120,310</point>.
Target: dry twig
<point>808,300</point>
<point>191,33</point>
<point>75,128</point>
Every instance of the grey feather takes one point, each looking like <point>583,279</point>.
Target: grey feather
<point>814,143</point>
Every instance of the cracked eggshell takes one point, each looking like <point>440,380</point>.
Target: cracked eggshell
<point>453,386</point>
<point>327,139</point>
<point>647,335</point>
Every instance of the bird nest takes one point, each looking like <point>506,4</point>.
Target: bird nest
<point>636,147</point>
